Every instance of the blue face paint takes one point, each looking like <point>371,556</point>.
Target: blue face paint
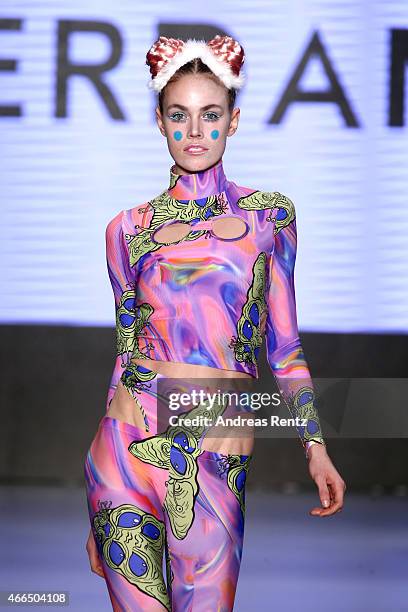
<point>215,134</point>
<point>178,135</point>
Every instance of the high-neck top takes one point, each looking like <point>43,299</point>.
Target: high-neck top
<point>196,185</point>
<point>201,273</point>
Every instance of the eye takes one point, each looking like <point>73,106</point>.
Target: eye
<point>214,116</point>
<point>178,116</point>
<point>175,115</point>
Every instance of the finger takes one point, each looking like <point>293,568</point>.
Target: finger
<point>338,493</point>
<point>324,493</point>
<point>336,500</point>
<point>96,567</point>
<point>329,511</point>
<point>95,561</point>
<point>324,511</point>
<point>316,511</point>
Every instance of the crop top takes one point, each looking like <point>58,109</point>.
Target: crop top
<point>205,297</point>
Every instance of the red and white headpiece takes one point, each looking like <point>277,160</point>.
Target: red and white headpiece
<point>223,55</point>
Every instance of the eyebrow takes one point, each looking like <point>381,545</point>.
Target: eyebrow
<point>202,108</point>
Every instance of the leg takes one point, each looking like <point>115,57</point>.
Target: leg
<point>205,563</point>
<point>204,506</point>
<point>127,520</point>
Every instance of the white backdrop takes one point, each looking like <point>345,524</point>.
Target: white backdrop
<point>63,178</point>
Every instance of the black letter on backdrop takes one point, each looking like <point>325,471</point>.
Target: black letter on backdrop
<point>93,72</point>
<point>335,94</point>
<point>399,59</point>
<point>189,30</point>
<point>9,65</point>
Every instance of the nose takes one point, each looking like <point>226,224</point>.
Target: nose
<point>195,130</point>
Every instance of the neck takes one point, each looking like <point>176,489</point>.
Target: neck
<point>196,185</point>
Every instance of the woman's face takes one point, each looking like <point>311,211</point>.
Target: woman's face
<point>195,112</point>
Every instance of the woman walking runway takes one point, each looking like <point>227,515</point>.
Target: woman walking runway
<point>200,274</point>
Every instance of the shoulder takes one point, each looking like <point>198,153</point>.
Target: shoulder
<point>285,213</point>
<point>126,221</point>
<point>114,225</point>
<point>139,216</point>
<point>256,199</point>
<point>281,208</point>
<point>277,200</point>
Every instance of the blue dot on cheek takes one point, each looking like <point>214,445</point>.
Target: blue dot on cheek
<point>215,134</point>
<point>178,135</point>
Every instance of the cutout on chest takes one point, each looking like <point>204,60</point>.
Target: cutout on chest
<point>227,227</point>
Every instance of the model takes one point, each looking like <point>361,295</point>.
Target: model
<point>200,274</point>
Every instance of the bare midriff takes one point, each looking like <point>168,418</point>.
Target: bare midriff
<point>122,405</point>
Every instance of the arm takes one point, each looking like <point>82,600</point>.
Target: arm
<point>123,281</point>
<point>284,351</point>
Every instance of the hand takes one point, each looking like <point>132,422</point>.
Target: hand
<point>96,565</point>
<point>330,484</point>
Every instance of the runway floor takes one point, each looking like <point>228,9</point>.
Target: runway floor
<point>355,561</point>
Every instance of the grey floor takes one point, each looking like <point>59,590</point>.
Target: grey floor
<point>354,561</point>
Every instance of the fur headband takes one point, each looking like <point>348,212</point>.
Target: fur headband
<point>223,55</point>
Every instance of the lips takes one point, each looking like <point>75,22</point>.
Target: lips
<point>195,149</point>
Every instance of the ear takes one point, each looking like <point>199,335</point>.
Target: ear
<point>159,120</point>
<point>234,121</point>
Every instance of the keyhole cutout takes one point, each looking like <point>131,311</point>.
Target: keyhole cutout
<point>223,228</point>
<point>171,233</point>
<point>230,228</point>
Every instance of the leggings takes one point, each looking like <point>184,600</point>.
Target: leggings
<point>167,516</point>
